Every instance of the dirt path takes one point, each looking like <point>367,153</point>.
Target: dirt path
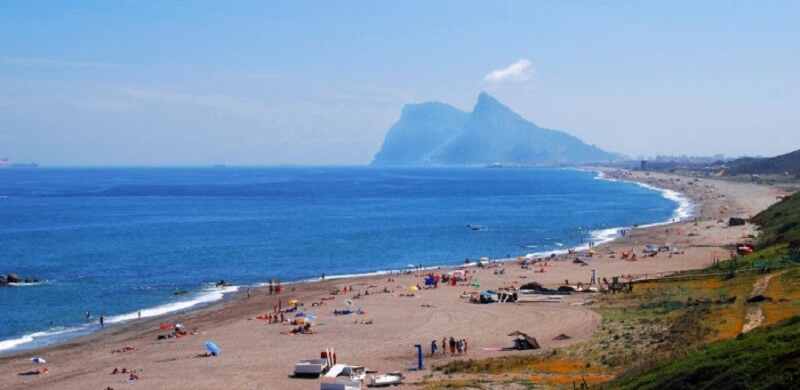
<point>755,316</point>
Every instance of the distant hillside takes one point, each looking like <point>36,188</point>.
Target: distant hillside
<point>780,223</point>
<point>436,133</point>
<point>421,129</point>
<point>779,165</point>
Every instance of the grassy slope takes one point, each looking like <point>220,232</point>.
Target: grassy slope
<point>789,162</point>
<point>766,358</point>
<point>650,326</point>
<point>780,224</point>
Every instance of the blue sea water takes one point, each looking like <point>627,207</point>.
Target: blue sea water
<point>118,240</point>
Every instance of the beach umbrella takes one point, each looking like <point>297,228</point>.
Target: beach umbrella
<point>213,348</point>
<point>38,360</point>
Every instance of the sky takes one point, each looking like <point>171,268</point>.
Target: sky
<point>272,82</point>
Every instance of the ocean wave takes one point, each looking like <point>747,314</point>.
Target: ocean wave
<point>54,335</point>
<point>685,210</point>
<point>28,284</point>
<point>41,338</point>
<point>208,295</point>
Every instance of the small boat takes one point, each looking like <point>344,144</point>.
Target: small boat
<point>344,377</point>
<point>311,368</point>
<point>389,379</point>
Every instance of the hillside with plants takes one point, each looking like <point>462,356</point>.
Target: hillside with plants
<point>780,224</point>
<point>778,165</point>
<point>696,330</point>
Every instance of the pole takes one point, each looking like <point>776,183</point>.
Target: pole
<point>420,364</point>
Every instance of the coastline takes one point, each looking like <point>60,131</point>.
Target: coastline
<point>211,296</point>
<point>226,321</point>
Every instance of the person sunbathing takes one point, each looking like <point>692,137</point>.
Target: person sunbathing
<point>38,371</point>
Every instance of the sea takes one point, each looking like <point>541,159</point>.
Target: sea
<point>117,241</point>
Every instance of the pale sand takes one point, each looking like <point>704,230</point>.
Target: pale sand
<point>259,356</point>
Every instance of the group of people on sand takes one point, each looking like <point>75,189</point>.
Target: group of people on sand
<point>132,374</point>
<point>276,316</point>
<point>275,287</point>
<point>455,347</point>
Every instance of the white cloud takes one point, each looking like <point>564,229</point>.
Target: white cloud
<point>521,70</point>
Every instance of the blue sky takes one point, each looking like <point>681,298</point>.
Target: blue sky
<point>241,82</point>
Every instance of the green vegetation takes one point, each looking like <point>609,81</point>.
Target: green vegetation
<point>778,244</point>
<point>680,332</point>
<point>789,162</point>
<point>765,358</point>
<point>780,224</point>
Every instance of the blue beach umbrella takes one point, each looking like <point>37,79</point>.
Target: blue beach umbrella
<point>213,348</point>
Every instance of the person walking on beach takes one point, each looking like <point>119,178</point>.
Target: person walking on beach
<point>452,346</point>
<point>465,346</point>
<point>433,348</point>
<point>139,314</point>
<point>102,321</point>
<point>88,316</point>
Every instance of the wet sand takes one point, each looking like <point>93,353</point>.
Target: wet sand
<point>256,355</point>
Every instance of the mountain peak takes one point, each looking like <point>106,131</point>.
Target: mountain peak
<point>487,104</point>
<point>484,99</point>
<point>437,133</point>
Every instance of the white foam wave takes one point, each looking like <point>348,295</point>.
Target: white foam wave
<point>683,211</point>
<point>23,284</point>
<point>603,236</point>
<point>206,296</point>
<point>36,339</point>
<point>13,343</point>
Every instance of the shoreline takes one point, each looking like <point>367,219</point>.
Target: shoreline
<point>259,355</point>
<point>211,296</point>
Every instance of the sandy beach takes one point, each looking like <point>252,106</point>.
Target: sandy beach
<point>258,355</point>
